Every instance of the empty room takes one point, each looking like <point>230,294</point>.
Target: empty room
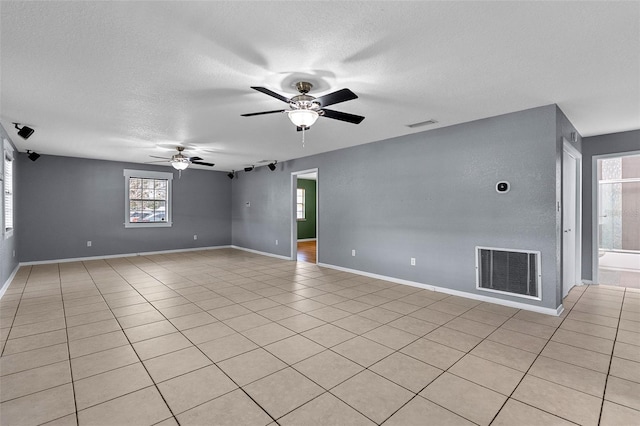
<point>320,213</point>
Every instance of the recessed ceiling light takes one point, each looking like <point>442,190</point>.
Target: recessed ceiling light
<point>422,123</point>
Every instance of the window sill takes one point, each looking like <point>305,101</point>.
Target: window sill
<point>149,225</point>
<point>301,220</point>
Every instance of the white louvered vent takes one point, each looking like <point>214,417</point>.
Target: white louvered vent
<point>516,272</point>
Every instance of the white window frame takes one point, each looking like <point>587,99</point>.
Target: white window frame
<point>304,204</point>
<point>146,174</point>
<point>8,212</point>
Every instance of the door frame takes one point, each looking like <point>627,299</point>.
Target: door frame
<point>294,219</point>
<point>595,200</point>
<point>572,151</point>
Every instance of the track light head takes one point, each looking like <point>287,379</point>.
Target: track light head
<point>231,174</point>
<point>248,169</point>
<point>33,156</point>
<point>24,131</point>
<point>272,166</point>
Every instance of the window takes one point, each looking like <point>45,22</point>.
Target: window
<point>147,198</point>
<point>300,215</point>
<point>8,189</point>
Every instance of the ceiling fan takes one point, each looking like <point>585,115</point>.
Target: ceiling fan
<point>305,109</point>
<point>180,161</point>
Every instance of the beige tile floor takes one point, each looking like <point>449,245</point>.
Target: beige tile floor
<point>229,337</point>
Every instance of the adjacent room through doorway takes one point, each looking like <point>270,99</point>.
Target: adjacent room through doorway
<point>306,217</point>
<point>619,221</point>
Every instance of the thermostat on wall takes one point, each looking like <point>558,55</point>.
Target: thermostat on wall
<point>503,187</point>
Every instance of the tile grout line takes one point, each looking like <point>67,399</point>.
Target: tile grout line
<point>282,286</point>
<point>534,361</point>
<point>137,355</point>
<point>606,379</point>
<point>66,330</point>
<point>15,314</point>
<point>200,350</point>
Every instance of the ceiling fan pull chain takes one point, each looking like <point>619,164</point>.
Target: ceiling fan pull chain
<point>303,127</point>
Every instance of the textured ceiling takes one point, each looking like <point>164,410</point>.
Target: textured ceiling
<point>125,80</point>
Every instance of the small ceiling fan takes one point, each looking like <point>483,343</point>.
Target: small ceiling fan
<point>305,109</point>
<point>180,161</point>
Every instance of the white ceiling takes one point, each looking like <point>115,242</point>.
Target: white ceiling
<point>125,80</point>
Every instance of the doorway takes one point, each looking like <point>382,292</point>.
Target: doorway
<point>618,208</point>
<point>304,218</point>
<point>571,217</point>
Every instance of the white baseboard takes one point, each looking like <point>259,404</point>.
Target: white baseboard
<point>509,303</point>
<point>263,253</point>
<point>5,286</point>
<point>115,256</point>
<point>302,240</point>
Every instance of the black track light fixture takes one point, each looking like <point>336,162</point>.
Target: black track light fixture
<point>33,156</point>
<point>231,174</point>
<point>248,169</point>
<point>24,131</point>
<point>272,166</point>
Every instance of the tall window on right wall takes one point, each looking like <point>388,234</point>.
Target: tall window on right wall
<point>8,189</point>
<point>300,215</point>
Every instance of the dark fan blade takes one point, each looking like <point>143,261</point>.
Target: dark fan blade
<point>271,93</point>
<point>202,163</point>
<point>164,158</point>
<point>192,159</point>
<point>336,97</point>
<point>261,113</point>
<point>163,161</point>
<point>343,116</point>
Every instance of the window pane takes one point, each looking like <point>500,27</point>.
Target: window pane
<point>8,192</point>
<point>300,210</point>
<point>148,198</point>
<point>161,194</point>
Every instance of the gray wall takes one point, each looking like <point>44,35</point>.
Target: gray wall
<point>8,248</point>
<point>64,202</point>
<point>428,195</point>
<point>616,143</point>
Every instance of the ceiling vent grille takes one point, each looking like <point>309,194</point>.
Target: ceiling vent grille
<point>515,272</point>
<point>422,123</point>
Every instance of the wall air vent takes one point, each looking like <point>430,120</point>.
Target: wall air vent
<point>513,272</point>
<point>422,123</point>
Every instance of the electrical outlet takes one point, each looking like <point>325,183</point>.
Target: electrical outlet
<point>195,237</point>
<point>276,242</point>
<point>88,243</point>
<point>413,261</point>
<point>353,252</point>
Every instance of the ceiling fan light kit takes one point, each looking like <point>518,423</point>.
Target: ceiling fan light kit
<point>180,161</point>
<point>305,109</point>
<point>303,117</point>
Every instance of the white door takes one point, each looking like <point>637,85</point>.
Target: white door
<point>569,231</point>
